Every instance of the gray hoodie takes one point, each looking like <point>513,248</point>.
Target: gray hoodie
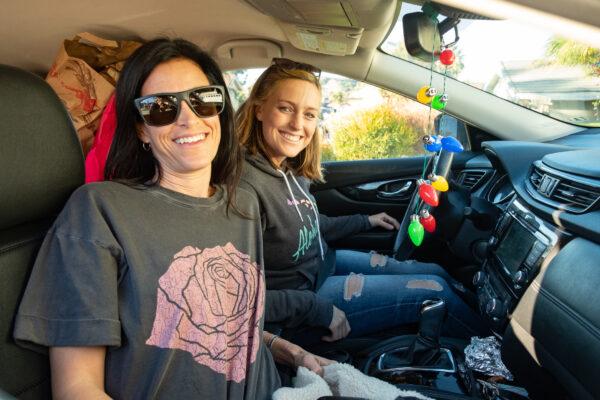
<point>295,244</point>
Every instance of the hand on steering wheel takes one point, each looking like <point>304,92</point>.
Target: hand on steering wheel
<point>384,221</point>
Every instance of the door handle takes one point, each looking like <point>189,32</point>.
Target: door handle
<point>397,193</point>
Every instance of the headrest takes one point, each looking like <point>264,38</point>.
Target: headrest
<point>41,161</point>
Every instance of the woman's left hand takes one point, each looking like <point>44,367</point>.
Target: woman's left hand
<point>383,220</point>
<point>311,361</point>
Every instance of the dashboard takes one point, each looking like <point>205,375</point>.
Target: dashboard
<point>542,196</point>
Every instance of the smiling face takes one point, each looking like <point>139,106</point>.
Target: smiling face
<point>289,118</point>
<point>186,147</point>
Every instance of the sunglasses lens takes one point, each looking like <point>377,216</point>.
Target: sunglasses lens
<point>207,102</point>
<point>159,110</point>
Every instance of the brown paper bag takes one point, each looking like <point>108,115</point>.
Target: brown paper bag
<point>84,74</point>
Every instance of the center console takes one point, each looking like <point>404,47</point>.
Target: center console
<point>517,248</point>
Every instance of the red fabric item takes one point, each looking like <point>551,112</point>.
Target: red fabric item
<point>96,158</point>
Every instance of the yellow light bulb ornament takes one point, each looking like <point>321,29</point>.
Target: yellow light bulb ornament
<point>439,182</point>
<point>426,94</point>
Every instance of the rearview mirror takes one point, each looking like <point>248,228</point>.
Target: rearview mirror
<point>423,34</point>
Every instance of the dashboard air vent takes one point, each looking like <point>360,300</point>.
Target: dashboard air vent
<point>575,194</point>
<point>471,178</point>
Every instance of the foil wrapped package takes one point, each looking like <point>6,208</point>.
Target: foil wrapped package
<point>483,355</point>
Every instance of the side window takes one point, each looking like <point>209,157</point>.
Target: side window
<point>359,121</point>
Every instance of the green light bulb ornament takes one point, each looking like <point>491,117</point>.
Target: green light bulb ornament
<point>416,232</point>
<point>439,102</point>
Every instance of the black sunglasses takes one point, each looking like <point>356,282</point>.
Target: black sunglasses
<point>287,64</point>
<point>163,108</point>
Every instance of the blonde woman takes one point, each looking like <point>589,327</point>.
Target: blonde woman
<point>277,125</point>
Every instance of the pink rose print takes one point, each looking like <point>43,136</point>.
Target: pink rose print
<point>209,304</point>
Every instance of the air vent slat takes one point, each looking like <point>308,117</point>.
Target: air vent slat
<point>471,178</point>
<point>563,191</point>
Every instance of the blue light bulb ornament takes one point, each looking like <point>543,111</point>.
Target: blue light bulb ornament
<point>416,232</point>
<point>451,144</point>
<point>432,143</point>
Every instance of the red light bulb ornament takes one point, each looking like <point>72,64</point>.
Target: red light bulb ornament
<point>427,220</point>
<point>416,232</point>
<point>438,182</point>
<point>426,94</point>
<point>447,57</point>
<point>428,193</point>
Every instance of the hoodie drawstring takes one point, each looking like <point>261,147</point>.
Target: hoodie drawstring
<point>292,194</point>
<point>314,208</point>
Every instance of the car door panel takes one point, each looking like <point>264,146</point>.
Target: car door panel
<point>369,187</point>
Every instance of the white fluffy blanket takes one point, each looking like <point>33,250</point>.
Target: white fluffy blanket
<point>341,380</point>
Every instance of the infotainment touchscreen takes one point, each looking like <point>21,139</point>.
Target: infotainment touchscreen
<point>514,246</point>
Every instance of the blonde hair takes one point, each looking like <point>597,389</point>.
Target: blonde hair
<point>308,162</point>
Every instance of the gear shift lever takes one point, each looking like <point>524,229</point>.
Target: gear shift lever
<point>426,346</point>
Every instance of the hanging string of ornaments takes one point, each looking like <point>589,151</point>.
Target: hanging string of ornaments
<point>421,220</point>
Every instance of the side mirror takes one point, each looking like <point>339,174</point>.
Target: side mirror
<point>422,34</point>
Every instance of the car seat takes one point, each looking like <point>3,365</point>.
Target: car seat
<point>41,163</point>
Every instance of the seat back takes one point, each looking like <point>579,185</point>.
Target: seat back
<point>552,344</point>
<point>41,163</point>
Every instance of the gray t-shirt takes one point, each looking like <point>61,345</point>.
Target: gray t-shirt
<point>171,284</point>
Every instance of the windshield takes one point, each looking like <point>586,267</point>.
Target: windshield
<point>535,69</point>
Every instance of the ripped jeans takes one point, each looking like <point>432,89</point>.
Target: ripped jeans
<point>378,293</point>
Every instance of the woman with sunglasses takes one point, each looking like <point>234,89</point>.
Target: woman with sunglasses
<point>308,283</point>
<point>150,284</point>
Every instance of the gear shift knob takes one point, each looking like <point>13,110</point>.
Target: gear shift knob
<point>426,346</point>
<point>433,313</point>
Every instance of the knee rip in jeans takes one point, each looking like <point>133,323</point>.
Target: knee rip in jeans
<point>353,286</point>
<point>428,284</point>
<point>378,260</point>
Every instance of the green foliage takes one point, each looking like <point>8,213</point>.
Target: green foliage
<point>380,132</point>
<point>327,153</point>
<point>569,52</point>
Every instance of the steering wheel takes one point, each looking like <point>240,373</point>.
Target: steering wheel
<point>403,247</point>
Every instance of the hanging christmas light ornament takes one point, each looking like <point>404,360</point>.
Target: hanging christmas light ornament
<point>439,101</point>
<point>451,144</point>
<point>432,143</point>
<point>447,57</point>
<point>438,182</point>
<point>427,220</point>
<point>426,94</point>
<point>428,193</point>
<point>416,232</point>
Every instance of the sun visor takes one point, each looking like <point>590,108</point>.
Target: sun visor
<point>332,27</point>
<point>323,39</point>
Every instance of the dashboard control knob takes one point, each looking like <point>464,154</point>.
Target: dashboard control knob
<point>520,277</point>
<point>495,309</point>
<point>479,279</point>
